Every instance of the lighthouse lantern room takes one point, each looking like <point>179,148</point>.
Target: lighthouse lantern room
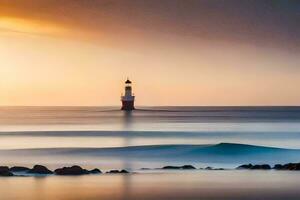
<point>128,98</point>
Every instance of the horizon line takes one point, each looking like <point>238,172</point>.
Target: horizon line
<point>151,106</point>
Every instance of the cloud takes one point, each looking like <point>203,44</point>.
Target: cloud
<point>257,22</point>
<point>29,27</point>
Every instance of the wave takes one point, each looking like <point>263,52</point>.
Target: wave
<point>247,135</point>
<point>212,153</point>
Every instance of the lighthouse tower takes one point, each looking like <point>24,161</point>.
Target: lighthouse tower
<point>128,98</point>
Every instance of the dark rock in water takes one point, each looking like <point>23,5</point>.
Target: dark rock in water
<point>188,167</point>
<point>19,169</point>
<point>4,171</point>
<point>289,166</point>
<point>250,166</point>
<point>278,167</point>
<point>40,169</point>
<point>74,170</point>
<point>292,166</point>
<point>264,167</point>
<point>171,167</point>
<point>123,171</point>
<point>211,168</point>
<point>95,171</point>
<point>145,168</point>
<point>113,171</point>
<point>179,167</point>
<point>4,168</point>
<point>295,166</point>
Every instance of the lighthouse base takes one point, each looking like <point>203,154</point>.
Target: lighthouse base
<point>127,105</point>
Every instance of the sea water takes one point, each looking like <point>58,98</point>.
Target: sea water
<point>62,129</point>
<point>105,127</point>
<point>45,127</point>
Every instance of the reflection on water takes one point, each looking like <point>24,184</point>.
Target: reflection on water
<point>225,185</point>
<point>269,126</point>
<point>127,163</point>
<point>156,118</point>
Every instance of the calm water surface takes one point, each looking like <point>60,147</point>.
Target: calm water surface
<point>269,126</point>
<point>98,127</point>
<point>227,185</point>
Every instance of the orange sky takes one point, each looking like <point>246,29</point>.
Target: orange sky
<point>76,53</point>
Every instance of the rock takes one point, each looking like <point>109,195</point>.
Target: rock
<point>40,169</point>
<point>171,167</point>
<point>4,168</point>
<point>211,168</point>
<point>145,168</point>
<point>74,170</point>
<point>123,171</point>
<point>249,166</point>
<point>278,167</point>
<point>4,171</point>
<point>114,171</point>
<point>289,166</point>
<point>179,167</point>
<point>294,166</point>
<point>18,169</point>
<point>188,167</point>
<point>264,167</point>
<point>95,171</point>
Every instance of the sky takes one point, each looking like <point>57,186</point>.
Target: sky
<point>176,52</point>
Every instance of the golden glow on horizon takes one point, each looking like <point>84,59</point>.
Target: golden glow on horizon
<point>19,25</point>
<point>69,70</point>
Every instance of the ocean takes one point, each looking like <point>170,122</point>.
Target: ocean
<point>109,127</point>
<point>152,137</point>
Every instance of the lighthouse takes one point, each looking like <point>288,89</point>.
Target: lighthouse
<point>128,98</point>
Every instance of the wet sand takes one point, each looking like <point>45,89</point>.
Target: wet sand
<point>206,185</point>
